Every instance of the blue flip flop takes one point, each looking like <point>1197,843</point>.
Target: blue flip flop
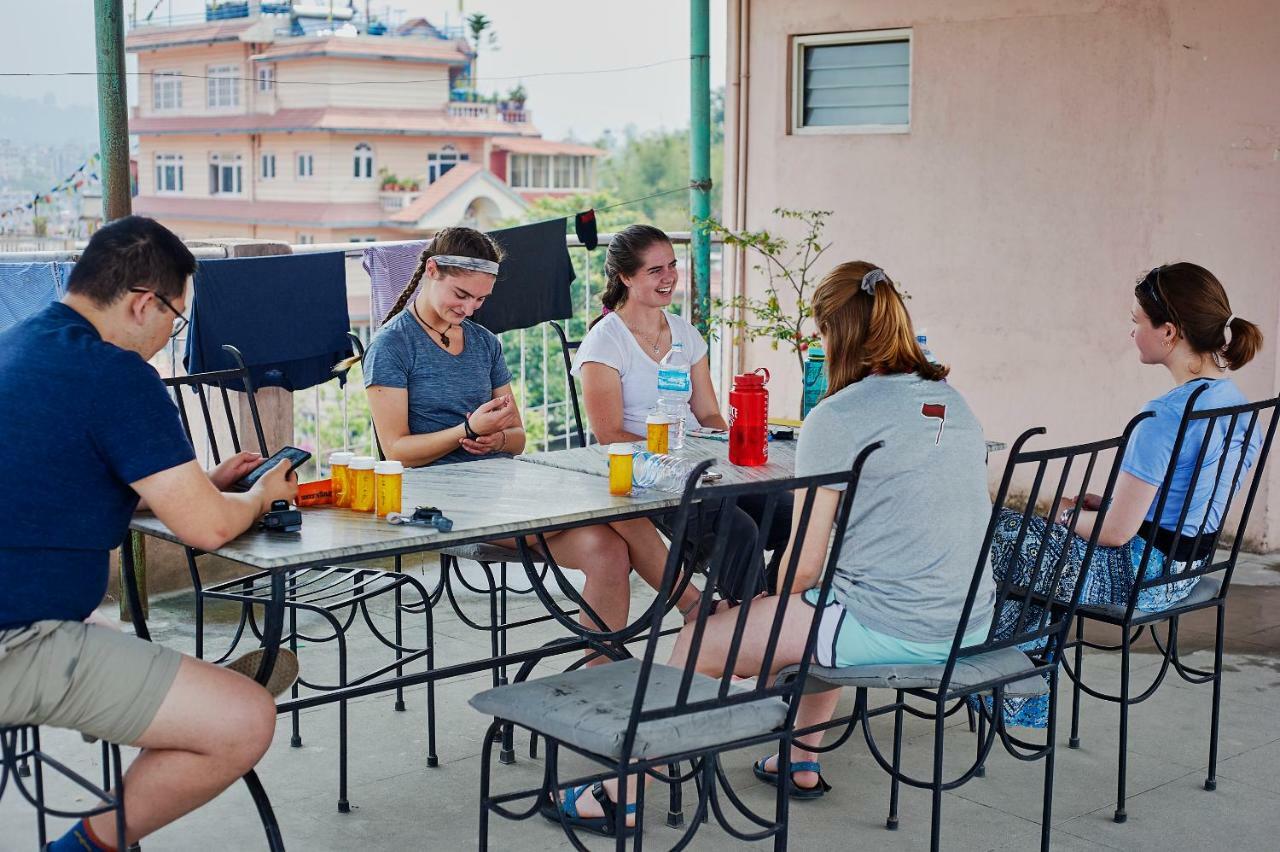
<point>605,826</point>
<point>794,790</point>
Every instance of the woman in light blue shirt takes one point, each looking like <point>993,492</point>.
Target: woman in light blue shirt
<point>1182,321</point>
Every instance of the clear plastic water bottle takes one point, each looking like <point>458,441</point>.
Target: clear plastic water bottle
<point>663,472</point>
<point>922,338</point>
<point>675,387</point>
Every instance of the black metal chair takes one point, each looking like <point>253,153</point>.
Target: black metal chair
<point>20,752</point>
<point>996,667</point>
<point>1243,425</point>
<point>335,594</point>
<point>567,348</point>
<point>637,716</point>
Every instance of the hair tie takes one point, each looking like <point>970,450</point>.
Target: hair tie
<point>871,279</point>
<point>1226,331</point>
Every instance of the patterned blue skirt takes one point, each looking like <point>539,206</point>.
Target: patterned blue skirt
<point>1109,580</point>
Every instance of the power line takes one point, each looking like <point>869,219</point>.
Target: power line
<point>279,82</point>
<point>684,188</point>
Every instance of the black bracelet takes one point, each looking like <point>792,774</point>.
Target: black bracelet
<point>466,427</point>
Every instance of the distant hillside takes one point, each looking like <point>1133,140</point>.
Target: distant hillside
<point>42,122</point>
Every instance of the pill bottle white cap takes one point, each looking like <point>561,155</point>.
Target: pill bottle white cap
<point>622,449</point>
<point>362,463</point>
<point>388,467</point>
<point>340,458</point>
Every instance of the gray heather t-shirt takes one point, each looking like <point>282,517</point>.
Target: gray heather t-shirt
<point>921,509</point>
<point>443,388</point>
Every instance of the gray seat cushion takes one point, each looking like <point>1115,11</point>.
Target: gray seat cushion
<point>969,671</point>
<point>590,708</point>
<point>1204,590</point>
<point>485,552</point>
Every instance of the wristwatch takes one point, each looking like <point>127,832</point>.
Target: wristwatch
<point>466,427</point>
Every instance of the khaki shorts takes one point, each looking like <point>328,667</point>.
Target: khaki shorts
<point>91,679</point>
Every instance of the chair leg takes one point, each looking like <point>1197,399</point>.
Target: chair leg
<point>295,718</point>
<point>892,822</point>
<point>675,807</point>
<point>432,758</point>
<point>42,828</point>
<point>508,753</point>
<point>1074,740</point>
<point>344,806</point>
<point>1122,762</point>
<point>266,814</point>
<point>1211,779</point>
<point>620,842</point>
<point>24,766</point>
<point>981,771</point>
<point>935,826</point>
<point>399,705</point>
<point>486,758</point>
<point>1051,733</point>
<point>782,800</point>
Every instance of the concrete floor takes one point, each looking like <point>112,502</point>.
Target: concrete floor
<point>398,803</point>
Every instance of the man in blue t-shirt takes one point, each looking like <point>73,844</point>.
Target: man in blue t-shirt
<point>89,434</point>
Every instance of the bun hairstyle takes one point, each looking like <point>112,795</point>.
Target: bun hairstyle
<point>1194,300</point>
<point>624,257</point>
<point>867,328</point>
<point>462,242</point>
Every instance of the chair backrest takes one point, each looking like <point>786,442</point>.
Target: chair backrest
<point>567,348</point>
<point>1231,445</point>
<point>1041,549</point>
<point>203,385</point>
<point>358,345</point>
<point>679,568</point>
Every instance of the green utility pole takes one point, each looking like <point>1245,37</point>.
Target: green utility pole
<point>113,116</point>
<point>700,156</point>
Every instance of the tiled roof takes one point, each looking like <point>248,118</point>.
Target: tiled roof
<point>436,192</point>
<point>301,213</point>
<point>533,145</point>
<point>369,47</point>
<point>345,120</point>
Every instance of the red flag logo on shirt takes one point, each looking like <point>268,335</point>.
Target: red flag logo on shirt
<point>935,410</point>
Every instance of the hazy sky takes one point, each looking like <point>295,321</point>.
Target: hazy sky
<point>535,39</point>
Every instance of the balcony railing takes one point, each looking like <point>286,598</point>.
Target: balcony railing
<point>491,112</point>
<point>393,201</point>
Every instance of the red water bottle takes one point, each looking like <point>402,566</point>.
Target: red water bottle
<point>749,419</point>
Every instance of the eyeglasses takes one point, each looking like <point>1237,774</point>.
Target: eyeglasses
<point>179,321</point>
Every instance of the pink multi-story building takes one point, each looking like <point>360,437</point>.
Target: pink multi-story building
<point>272,125</point>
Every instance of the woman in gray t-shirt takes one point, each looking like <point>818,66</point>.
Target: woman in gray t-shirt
<point>917,522</point>
<point>440,393</point>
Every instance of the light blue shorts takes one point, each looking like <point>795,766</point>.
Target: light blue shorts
<point>845,641</point>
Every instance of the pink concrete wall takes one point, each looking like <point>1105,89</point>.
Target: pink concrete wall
<point>1057,149</point>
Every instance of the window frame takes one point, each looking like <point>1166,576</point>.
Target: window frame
<point>362,154</point>
<point>234,163</point>
<point>796,88</point>
<point>217,74</point>
<point>263,158</point>
<point>173,76</point>
<point>266,78</point>
<point>165,161</point>
<point>298,171</point>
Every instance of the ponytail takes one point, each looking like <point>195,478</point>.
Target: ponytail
<point>463,242</point>
<point>624,258</point>
<point>1245,342</point>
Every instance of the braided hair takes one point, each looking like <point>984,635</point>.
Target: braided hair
<point>463,242</point>
<point>624,258</point>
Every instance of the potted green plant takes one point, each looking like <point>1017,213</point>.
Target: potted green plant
<point>788,266</point>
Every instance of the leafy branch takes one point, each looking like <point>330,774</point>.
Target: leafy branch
<point>787,265</point>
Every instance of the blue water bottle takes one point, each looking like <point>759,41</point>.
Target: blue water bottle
<point>815,379</point>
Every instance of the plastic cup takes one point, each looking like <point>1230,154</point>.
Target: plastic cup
<point>658,429</point>
<point>620,469</point>
<point>362,491</point>
<point>388,479</point>
<point>340,473</point>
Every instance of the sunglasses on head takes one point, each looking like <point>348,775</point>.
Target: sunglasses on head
<point>1149,286</point>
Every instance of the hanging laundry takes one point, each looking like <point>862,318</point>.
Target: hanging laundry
<point>533,284</point>
<point>287,314</point>
<point>26,288</point>
<point>389,268</point>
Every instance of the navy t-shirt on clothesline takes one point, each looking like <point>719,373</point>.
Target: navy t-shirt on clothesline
<point>82,419</point>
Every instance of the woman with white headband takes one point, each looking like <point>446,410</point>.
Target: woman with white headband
<point>440,393</point>
<point>1182,321</point>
